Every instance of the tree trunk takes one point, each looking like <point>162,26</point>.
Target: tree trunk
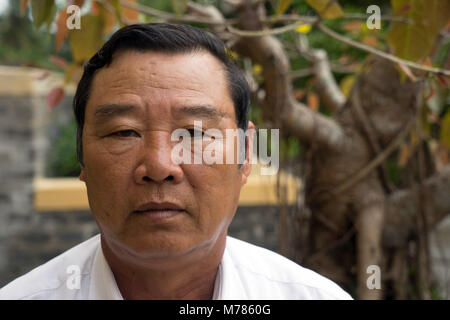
<point>387,105</point>
<point>356,219</point>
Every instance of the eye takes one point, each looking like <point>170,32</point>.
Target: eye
<point>196,133</point>
<point>125,133</point>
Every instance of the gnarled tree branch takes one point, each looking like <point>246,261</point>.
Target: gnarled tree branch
<point>279,102</point>
<point>402,207</point>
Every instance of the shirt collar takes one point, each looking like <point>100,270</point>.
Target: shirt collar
<point>230,283</point>
<point>103,285</point>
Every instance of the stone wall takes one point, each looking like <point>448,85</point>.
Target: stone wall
<point>16,171</point>
<point>41,236</point>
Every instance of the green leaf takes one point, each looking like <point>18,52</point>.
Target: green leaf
<point>327,9</point>
<point>86,41</point>
<point>179,6</point>
<point>414,41</point>
<point>42,11</point>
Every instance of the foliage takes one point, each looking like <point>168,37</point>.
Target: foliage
<point>414,41</point>
<point>104,17</point>
<point>62,160</point>
<point>407,40</point>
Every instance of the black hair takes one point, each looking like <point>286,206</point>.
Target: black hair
<point>167,38</point>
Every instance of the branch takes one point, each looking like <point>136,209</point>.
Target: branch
<point>369,226</point>
<point>403,207</point>
<point>279,102</point>
<point>312,127</point>
<point>380,53</point>
<point>359,16</point>
<point>170,17</point>
<point>379,159</point>
<point>325,83</point>
<point>310,71</point>
<point>269,32</point>
<point>368,130</point>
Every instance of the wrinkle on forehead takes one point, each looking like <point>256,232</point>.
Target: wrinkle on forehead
<point>157,64</point>
<point>171,79</point>
<point>162,71</point>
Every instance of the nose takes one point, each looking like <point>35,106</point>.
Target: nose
<point>154,160</point>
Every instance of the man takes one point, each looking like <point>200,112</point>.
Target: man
<point>163,226</point>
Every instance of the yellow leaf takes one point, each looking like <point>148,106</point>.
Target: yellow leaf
<point>109,19</point>
<point>347,84</point>
<point>117,10</point>
<point>415,40</point>
<point>327,9</point>
<point>282,6</point>
<point>86,41</point>
<point>304,28</point>
<point>179,6</point>
<point>232,53</point>
<point>445,130</point>
<point>257,69</point>
<point>42,11</point>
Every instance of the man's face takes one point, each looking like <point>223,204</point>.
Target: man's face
<point>134,106</point>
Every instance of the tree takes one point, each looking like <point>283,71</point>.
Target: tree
<point>374,149</point>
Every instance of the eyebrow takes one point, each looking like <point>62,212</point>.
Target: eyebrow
<point>113,110</point>
<point>207,112</point>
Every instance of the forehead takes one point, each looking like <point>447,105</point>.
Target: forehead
<point>196,78</point>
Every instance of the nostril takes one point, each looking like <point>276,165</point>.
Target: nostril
<point>148,179</point>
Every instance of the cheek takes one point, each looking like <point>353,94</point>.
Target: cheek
<point>216,190</point>
<point>107,178</point>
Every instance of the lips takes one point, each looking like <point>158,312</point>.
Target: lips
<point>157,213</point>
<point>158,206</point>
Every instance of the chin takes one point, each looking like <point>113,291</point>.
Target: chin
<point>154,246</point>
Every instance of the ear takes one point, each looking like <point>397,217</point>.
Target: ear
<point>247,165</point>
<point>82,176</point>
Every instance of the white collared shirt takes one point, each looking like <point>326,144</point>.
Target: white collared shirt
<point>245,272</point>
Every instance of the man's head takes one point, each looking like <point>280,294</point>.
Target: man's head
<point>146,82</point>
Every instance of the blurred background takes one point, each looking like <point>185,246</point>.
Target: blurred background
<point>360,93</point>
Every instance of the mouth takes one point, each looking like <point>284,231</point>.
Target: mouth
<point>158,212</point>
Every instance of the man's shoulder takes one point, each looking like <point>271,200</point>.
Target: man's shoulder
<point>272,271</point>
<point>48,281</point>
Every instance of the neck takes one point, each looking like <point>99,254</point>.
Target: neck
<point>184,278</point>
